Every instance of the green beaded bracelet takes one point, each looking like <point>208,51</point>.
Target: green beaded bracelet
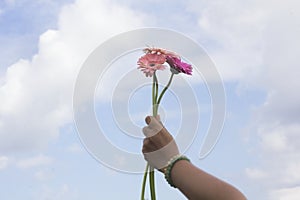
<point>171,164</point>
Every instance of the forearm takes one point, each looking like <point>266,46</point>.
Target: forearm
<point>196,184</point>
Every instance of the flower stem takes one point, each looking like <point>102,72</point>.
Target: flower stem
<point>155,108</point>
<point>154,94</point>
<point>156,87</point>
<point>165,89</point>
<point>155,104</point>
<point>152,183</point>
<point>144,182</point>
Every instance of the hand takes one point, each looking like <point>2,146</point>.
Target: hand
<point>159,146</point>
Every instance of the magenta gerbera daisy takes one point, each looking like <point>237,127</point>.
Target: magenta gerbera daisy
<point>177,66</point>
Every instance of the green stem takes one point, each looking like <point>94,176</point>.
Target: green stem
<point>154,95</point>
<point>165,89</point>
<point>155,108</point>
<point>156,87</point>
<point>152,183</point>
<point>155,104</point>
<point>144,182</point>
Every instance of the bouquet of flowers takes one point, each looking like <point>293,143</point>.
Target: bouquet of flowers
<point>153,60</point>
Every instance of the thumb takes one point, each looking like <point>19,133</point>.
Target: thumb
<point>148,120</point>
<point>154,122</point>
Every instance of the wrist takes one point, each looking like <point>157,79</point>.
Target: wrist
<point>167,170</point>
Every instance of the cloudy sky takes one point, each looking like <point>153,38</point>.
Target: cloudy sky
<point>254,45</point>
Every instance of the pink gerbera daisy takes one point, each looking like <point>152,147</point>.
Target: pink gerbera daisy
<point>149,63</point>
<point>158,51</point>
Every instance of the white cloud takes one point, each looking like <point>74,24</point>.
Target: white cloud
<point>274,141</point>
<point>254,173</point>
<point>36,95</point>
<point>233,32</point>
<point>278,130</point>
<point>277,120</point>
<point>36,161</point>
<point>278,157</point>
<point>44,174</point>
<point>257,44</point>
<point>62,192</point>
<point>75,148</point>
<point>292,193</point>
<point>3,162</point>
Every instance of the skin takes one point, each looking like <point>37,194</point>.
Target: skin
<point>159,147</point>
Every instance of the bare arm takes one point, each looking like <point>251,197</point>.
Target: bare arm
<point>197,184</point>
<point>159,147</point>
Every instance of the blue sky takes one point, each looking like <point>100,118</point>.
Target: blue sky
<point>253,44</point>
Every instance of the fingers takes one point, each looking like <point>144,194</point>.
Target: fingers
<point>148,132</point>
<point>156,139</point>
<point>148,118</point>
<point>148,146</point>
<point>151,132</point>
<point>153,144</point>
<point>153,128</point>
<point>159,145</point>
<point>159,156</point>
